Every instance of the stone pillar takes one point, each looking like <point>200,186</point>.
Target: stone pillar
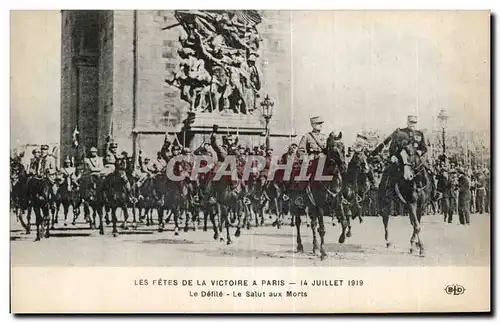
<point>105,78</point>
<point>123,78</point>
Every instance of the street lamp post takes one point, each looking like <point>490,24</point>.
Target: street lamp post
<point>267,113</point>
<point>443,118</point>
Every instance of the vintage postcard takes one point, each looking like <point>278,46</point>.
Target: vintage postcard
<point>250,161</point>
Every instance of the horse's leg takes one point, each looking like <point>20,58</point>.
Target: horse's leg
<point>145,215</point>
<point>124,215</point>
<point>21,213</point>
<point>296,214</point>
<point>321,231</point>
<point>100,211</point>
<point>314,218</point>
<point>385,205</point>
<point>212,212</point>
<point>161,211</point>
<point>176,211</point>
<point>248,215</point>
<point>107,209</point>
<point>114,220</point>
<point>53,213</point>
<point>343,219</point>
<point>46,219</point>
<point>38,221</point>
<point>412,210</point>
<point>135,208</point>
<point>278,212</point>
<point>55,205</point>
<point>362,207</point>
<point>206,213</point>
<point>225,218</point>
<point>342,215</point>
<point>221,220</point>
<point>185,210</point>
<point>65,205</point>
<point>86,212</point>
<point>419,213</point>
<point>28,219</point>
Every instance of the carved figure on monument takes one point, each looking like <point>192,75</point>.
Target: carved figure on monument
<point>217,71</point>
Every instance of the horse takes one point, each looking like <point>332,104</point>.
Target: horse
<point>117,192</point>
<point>173,198</point>
<point>408,181</point>
<point>19,193</point>
<point>40,192</point>
<point>356,184</point>
<point>147,199</point>
<point>228,196</point>
<point>323,195</point>
<point>68,195</point>
<point>91,194</point>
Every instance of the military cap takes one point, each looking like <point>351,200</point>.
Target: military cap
<point>114,145</point>
<point>316,120</point>
<point>93,149</point>
<point>294,145</point>
<point>252,57</point>
<point>44,147</point>
<point>412,119</point>
<point>176,147</point>
<point>67,160</point>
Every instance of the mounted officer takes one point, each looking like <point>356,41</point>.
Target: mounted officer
<point>93,165</point>
<point>47,165</point>
<point>398,140</point>
<point>402,137</point>
<point>68,171</point>
<point>110,158</point>
<point>314,142</point>
<point>34,162</point>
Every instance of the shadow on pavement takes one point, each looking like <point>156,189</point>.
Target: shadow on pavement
<point>66,235</point>
<point>169,241</point>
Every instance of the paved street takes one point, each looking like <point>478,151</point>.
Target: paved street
<point>446,245</point>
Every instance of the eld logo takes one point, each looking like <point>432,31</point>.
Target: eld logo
<point>454,290</point>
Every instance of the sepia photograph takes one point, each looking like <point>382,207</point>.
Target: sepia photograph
<point>250,156</point>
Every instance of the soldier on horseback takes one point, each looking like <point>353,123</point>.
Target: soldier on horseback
<point>34,162</point>
<point>406,179</point>
<point>47,164</point>
<point>399,139</point>
<point>93,165</point>
<point>314,142</point>
<point>69,171</point>
<point>110,157</point>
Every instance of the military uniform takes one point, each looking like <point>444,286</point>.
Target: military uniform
<point>445,188</point>
<point>398,140</point>
<point>110,159</point>
<point>313,142</point>
<point>464,197</point>
<point>47,165</point>
<point>93,165</point>
<point>33,167</point>
<point>480,193</point>
<point>407,136</point>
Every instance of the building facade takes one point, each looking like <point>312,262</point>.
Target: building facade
<point>114,66</point>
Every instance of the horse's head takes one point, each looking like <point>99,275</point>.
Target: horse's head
<point>335,150</point>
